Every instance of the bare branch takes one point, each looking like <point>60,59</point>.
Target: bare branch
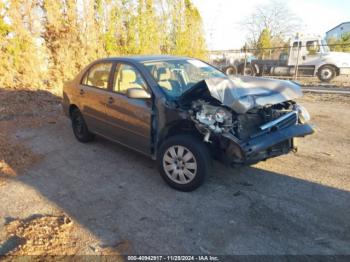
<point>275,17</point>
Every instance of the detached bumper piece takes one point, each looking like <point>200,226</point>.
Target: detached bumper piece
<point>272,138</point>
<point>267,145</point>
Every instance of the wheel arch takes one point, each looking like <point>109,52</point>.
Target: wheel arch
<point>254,67</point>
<point>178,127</point>
<point>318,67</point>
<point>71,108</point>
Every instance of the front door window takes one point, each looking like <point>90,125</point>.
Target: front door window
<point>127,77</point>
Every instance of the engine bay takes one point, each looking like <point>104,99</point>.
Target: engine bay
<point>213,120</point>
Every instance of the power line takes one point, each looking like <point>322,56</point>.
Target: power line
<point>271,48</point>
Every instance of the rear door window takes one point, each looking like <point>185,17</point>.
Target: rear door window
<point>98,75</point>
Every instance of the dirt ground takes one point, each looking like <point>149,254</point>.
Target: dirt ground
<point>339,81</point>
<point>61,197</point>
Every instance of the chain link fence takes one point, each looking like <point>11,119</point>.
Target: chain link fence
<point>308,61</point>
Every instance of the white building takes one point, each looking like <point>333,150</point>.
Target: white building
<point>338,31</point>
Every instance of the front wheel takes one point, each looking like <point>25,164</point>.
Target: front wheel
<point>230,71</point>
<point>183,162</point>
<point>326,73</point>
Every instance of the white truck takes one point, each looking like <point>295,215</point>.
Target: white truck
<point>307,56</point>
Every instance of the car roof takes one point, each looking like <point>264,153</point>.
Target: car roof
<point>146,58</point>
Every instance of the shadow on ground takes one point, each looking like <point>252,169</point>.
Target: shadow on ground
<point>118,196</point>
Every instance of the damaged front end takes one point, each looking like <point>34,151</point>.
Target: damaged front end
<point>242,128</point>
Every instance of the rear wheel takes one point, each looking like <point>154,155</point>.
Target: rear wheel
<point>248,70</point>
<point>80,129</point>
<point>326,73</point>
<point>183,162</point>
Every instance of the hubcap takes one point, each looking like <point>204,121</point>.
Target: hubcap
<point>326,73</point>
<point>179,164</point>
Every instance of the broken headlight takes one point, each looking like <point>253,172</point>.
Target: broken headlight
<point>303,114</point>
<point>212,118</point>
<point>220,115</point>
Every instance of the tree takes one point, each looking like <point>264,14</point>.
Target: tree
<point>263,43</point>
<point>276,17</point>
<point>187,32</point>
<point>44,43</point>
<point>340,45</point>
<point>5,30</point>
<point>147,28</point>
<point>21,57</point>
<point>63,41</point>
<point>114,37</point>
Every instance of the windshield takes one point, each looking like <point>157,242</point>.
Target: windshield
<point>177,76</point>
<point>325,46</point>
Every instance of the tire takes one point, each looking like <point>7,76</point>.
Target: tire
<point>230,71</point>
<point>326,73</point>
<point>80,129</point>
<point>248,70</point>
<point>183,162</point>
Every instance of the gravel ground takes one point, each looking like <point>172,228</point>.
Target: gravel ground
<point>115,199</point>
<point>339,81</point>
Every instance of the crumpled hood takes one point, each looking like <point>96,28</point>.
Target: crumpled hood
<point>242,93</point>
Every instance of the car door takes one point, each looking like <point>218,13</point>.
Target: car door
<point>129,119</point>
<point>295,52</point>
<point>93,96</point>
<point>311,53</point>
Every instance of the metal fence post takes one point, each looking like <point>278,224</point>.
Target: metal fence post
<point>297,63</point>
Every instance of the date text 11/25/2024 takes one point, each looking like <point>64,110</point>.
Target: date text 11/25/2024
<point>173,258</point>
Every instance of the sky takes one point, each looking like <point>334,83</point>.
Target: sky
<point>221,18</point>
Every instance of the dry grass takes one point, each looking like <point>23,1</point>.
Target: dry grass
<point>14,158</point>
<point>27,107</point>
<point>40,235</point>
<point>45,235</point>
<point>22,108</point>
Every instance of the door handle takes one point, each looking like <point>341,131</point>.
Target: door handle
<point>110,100</point>
<point>81,91</point>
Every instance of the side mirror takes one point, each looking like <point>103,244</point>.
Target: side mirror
<point>138,93</point>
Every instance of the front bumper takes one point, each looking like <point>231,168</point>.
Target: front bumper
<point>269,144</point>
<point>270,139</point>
